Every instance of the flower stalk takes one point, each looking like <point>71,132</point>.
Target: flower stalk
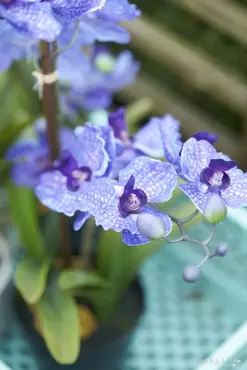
<point>50,111</point>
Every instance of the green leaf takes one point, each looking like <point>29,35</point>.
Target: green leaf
<point>74,278</point>
<point>23,209</point>
<point>30,278</point>
<point>4,170</point>
<point>59,323</point>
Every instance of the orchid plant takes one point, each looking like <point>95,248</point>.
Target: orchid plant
<point>114,188</point>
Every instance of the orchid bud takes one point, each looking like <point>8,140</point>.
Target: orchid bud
<point>221,249</point>
<point>105,62</point>
<point>191,273</point>
<point>215,209</point>
<point>150,226</point>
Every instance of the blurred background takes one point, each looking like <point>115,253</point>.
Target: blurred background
<point>193,55</point>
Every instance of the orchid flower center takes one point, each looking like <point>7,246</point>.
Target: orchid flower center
<point>132,200</point>
<point>217,178</point>
<point>69,167</point>
<point>215,175</point>
<point>104,62</point>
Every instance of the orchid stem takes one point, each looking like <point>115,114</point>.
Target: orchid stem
<point>50,111</point>
<point>87,240</point>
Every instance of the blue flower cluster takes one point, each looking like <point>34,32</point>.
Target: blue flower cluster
<point>118,179</point>
<point>23,23</point>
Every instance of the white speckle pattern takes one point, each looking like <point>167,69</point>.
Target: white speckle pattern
<point>33,19</point>
<point>236,194</point>
<point>138,238</point>
<point>198,198</point>
<point>73,9</point>
<point>89,150</point>
<point>103,202</point>
<point>195,156</point>
<point>52,191</point>
<point>157,179</point>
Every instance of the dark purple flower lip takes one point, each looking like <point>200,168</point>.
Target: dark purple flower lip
<point>68,166</point>
<point>204,135</point>
<point>215,175</point>
<point>133,200</point>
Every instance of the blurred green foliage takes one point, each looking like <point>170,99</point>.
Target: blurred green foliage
<point>201,36</point>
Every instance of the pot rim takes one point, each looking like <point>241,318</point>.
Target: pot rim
<point>6,265</point>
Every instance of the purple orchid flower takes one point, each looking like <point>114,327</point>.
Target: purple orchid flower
<point>67,186</point>
<point>117,205</point>
<point>39,19</point>
<point>213,179</point>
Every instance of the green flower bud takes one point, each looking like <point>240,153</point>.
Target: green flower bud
<point>98,117</point>
<point>150,226</point>
<point>215,209</point>
<point>105,63</point>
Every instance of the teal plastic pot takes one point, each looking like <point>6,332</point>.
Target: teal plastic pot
<point>106,349</point>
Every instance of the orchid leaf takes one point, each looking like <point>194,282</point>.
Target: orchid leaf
<point>59,323</point>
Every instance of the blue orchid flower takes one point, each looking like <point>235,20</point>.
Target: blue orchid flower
<point>117,205</point>
<point>93,84</point>
<point>171,138</point>
<point>43,19</point>
<point>214,181</point>
<point>70,180</point>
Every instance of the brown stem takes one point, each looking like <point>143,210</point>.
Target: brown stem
<point>50,111</point>
<point>50,101</point>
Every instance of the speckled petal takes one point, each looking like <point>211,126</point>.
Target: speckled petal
<point>74,9</point>
<point>148,139</point>
<point>54,194</point>
<point>119,10</point>
<point>139,239</point>
<point>90,150</point>
<point>80,220</point>
<point>157,179</point>
<point>236,194</point>
<point>195,156</point>
<point>103,205</point>
<point>33,19</point>
<point>171,137</point>
<point>198,198</point>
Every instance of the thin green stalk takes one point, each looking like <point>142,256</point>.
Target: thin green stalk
<point>87,242</point>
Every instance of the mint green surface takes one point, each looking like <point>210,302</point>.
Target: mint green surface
<point>183,323</point>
